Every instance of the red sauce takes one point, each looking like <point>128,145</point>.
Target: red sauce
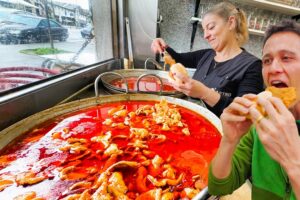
<point>37,151</point>
<point>148,84</point>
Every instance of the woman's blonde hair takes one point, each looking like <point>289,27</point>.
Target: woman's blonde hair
<point>225,10</point>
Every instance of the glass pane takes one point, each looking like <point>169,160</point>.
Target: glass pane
<point>43,38</point>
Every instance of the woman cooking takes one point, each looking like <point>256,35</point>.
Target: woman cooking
<point>224,71</point>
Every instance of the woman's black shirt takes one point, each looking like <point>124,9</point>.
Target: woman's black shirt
<point>235,77</point>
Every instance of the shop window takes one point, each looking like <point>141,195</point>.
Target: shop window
<point>34,51</point>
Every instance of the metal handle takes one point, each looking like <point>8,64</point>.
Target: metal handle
<point>153,62</point>
<point>129,43</point>
<point>144,75</point>
<point>105,73</point>
<point>203,195</point>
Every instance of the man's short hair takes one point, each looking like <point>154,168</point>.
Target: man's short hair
<point>286,25</point>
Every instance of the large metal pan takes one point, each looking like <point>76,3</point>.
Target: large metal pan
<point>25,125</point>
<point>141,75</point>
<point>19,128</point>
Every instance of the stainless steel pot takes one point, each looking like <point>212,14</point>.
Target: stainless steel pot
<point>27,124</point>
<point>161,75</point>
<point>23,126</point>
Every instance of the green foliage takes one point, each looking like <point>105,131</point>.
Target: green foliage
<point>42,51</point>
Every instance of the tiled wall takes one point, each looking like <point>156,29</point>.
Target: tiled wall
<point>176,28</point>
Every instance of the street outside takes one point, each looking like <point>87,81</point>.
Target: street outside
<point>20,75</point>
<point>11,56</point>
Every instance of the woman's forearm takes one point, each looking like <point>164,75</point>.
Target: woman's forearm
<point>210,96</point>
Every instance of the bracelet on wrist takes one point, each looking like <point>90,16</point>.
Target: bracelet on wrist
<point>208,94</point>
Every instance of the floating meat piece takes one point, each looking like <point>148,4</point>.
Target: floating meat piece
<point>191,192</point>
<point>168,196</point>
<point>123,164</point>
<point>104,139</point>
<point>112,149</point>
<point>119,125</point>
<point>157,161</point>
<point>77,140</point>
<point>27,196</point>
<point>87,152</point>
<point>4,183</point>
<point>115,109</point>
<point>144,110</point>
<point>102,193</point>
<point>165,127</point>
<point>117,182</point>
<point>85,195</point>
<point>29,178</point>
<point>64,172</point>
<point>81,184</point>
<point>117,194</point>
<point>72,197</point>
<point>139,144</point>
<point>169,172</point>
<point>186,131</point>
<point>164,182</point>
<point>120,113</point>
<point>154,194</point>
<point>107,122</point>
<point>140,133</point>
<point>103,178</point>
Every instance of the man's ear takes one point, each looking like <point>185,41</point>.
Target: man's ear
<point>232,22</point>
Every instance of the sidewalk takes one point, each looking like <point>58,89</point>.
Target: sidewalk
<point>83,58</point>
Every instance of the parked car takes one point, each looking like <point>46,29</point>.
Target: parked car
<point>20,28</point>
<point>87,32</point>
<point>6,12</point>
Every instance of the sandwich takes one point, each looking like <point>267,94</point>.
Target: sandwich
<point>176,69</point>
<point>286,94</point>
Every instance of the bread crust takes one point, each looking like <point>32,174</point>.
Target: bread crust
<point>177,68</point>
<point>287,95</point>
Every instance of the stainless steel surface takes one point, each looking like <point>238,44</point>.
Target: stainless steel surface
<point>103,29</point>
<point>152,60</point>
<point>25,101</point>
<point>145,75</point>
<point>115,35</point>
<point>143,20</point>
<point>121,28</point>
<point>203,195</point>
<point>106,80</point>
<point>21,127</point>
<point>106,73</point>
<point>129,44</point>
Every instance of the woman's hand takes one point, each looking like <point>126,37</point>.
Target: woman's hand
<point>234,121</point>
<point>158,45</point>
<point>195,89</point>
<point>278,132</point>
<point>188,86</point>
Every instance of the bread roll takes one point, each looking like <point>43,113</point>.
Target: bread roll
<point>264,94</point>
<point>287,95</point>
<point>176,69</point>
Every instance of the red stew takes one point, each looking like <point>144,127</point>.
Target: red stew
<point>45,152</point>
<point>148,84</point>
